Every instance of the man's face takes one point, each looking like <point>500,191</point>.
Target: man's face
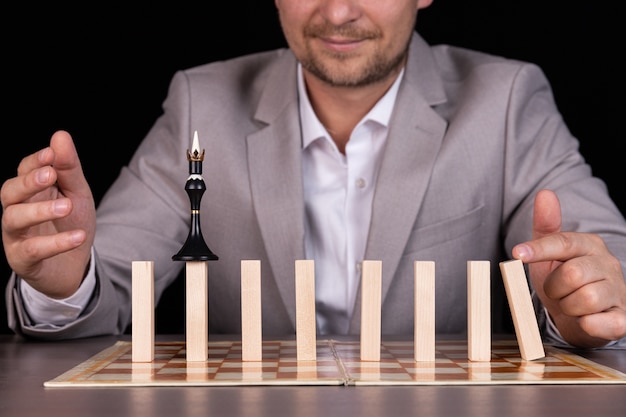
<point>349,42</point>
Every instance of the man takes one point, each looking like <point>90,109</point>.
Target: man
<point>359,142</point>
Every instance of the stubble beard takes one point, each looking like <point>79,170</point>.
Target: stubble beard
<point>335,69</point>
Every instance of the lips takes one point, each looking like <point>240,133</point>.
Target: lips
<point>341,44</point>
<point>340,39</point>
<point>340,34</point>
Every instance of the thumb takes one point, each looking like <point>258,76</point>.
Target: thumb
<point>546,221</point>
<point>546,214</point>
<point>70,176</point>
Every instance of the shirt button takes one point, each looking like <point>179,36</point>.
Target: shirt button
<point>359,266</point>
<point>360,183</point>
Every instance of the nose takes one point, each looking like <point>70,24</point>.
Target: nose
<point>339,12</point>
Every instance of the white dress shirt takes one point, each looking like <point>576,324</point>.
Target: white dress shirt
<point>338,195</point>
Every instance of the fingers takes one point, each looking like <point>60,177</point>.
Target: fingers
<point>581,288</point>
<point>30,233</point>
<point>40,170</point>
<point>607,325</point>
<point>36,160</point>
<point>34,176</point>
<point>28,253</point>
<point>560,246</point>
<point>23,216</point>
<point>33,206</point>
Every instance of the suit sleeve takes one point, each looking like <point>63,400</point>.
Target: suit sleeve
<point>143,216</point>
<point>541,153</point>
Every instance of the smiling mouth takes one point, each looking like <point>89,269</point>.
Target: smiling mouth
<point>341,44</point>
<point>341,39</point>
<point>341,34</point>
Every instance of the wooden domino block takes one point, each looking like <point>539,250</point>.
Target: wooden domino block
<point>371,298</point>
<point>251,331</point>
<point>306,339</point>
<point>197,309</point>
<point>478,311</point>
<point>424,311</point>
<point>522,311</point>
<point>142,311</point>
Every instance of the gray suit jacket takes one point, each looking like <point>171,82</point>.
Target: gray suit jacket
<point>473,137</point>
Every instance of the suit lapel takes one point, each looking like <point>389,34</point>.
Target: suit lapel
<point>274,162</point>
<point>414,140</point>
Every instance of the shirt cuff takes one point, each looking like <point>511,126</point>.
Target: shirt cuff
<point>49,313</point>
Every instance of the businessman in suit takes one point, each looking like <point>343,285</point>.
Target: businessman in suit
<point>358,142</point>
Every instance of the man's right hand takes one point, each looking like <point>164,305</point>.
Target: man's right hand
<point>49,219</point>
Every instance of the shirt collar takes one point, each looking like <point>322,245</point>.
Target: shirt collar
<point>313,129</point>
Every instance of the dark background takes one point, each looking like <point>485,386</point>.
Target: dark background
<point>102,72</point>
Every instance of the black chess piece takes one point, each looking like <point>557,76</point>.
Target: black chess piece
<point>195,248</point>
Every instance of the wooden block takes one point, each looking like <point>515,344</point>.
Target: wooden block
<point>478,311</point>
<point>143,311</point>
<point>424,311</point>
<point>306,340</point>
<point>251,331</point>
<point>197,309</point>
<point>522,311</point>
<point>371,297</point>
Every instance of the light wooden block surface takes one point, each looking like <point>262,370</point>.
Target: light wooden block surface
<point>251,320</point>
<point>197,309</point>
<point>478,311</point>
<point>424,311</point>
<point>143,311</point>
<point>306,339</point>
<point>522,311</point>
<point>371,298</point>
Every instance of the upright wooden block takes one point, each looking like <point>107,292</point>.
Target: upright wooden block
<point>251,320</point>
<point>522,311</point>
<point>306,341</point>
<point>142,311</point>
<point>424,311</point>
<point>197,309</point>
<point>478,311</point>
<point>371,298</point>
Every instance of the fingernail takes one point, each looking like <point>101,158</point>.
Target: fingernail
<point>524,252</point>
<point>77,237</point>
<point>42,156</point>
<point>43,175</point>
<point>60,206</point>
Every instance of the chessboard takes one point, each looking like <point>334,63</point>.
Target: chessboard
<point>337,363</point>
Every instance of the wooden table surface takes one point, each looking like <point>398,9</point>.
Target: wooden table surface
<point>26,365</point>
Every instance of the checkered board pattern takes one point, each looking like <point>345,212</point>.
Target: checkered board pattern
<point>452,366</point>
<point>337,363</point>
